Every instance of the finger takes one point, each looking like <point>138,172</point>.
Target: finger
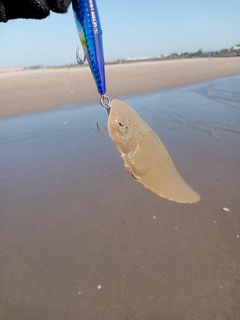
<point>28,9</point>
<point>59,6</point>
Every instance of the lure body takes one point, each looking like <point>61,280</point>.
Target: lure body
<point>90,34</point>
<point>145,156</point>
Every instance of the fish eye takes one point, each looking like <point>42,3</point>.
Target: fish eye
<point>120,124</point>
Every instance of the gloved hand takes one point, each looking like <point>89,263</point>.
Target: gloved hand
<point>31,9</point>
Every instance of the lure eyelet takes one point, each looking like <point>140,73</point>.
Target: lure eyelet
<point>105,102</point>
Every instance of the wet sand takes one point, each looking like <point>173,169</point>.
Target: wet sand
<point>81,239</point>
<point>40,90</point>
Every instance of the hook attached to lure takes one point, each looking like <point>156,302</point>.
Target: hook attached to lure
<point>78,58</point>
<point>106,103</point>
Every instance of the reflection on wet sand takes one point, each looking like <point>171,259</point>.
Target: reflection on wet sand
<point>80,239</point>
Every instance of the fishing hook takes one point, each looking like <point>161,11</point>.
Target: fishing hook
<point>100,129</point>
<point>105,102</point>
<point>78,58</point>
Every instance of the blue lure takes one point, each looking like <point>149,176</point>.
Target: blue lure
<point>90,34</point>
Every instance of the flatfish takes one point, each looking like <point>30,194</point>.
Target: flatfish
<point>145,156</point>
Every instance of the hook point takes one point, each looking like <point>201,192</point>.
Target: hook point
<point>78,58</point>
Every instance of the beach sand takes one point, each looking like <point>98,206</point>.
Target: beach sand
<point>45,89</point>
<point>79,237</point>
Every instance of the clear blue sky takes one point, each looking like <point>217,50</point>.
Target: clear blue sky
<point>131,28</point>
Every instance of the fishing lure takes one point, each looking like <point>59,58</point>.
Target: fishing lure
<point>90,34</point>
<point>142,152</point>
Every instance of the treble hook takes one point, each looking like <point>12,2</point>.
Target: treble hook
<point>78,58</point>
<point>105,102</point>
<point>100,129</point>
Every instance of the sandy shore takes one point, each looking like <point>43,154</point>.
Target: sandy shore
<point>40,90</point>
<point>80,239</point>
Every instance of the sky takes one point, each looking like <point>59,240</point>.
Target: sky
<point>131,28</point>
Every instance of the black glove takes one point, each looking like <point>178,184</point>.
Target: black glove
<point>31,9</point>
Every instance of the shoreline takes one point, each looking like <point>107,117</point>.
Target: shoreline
<point>82,239</point>
<point>31,91</point>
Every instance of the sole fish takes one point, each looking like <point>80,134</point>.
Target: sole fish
<point>145,156</point>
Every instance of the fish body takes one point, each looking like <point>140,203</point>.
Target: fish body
<point>145,156</point>
<point>90,34</point>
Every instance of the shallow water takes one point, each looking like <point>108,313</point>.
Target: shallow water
<point>72,219</point>
<point>212,107</point>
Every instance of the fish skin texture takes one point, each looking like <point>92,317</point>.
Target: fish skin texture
<point>144,155</point>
